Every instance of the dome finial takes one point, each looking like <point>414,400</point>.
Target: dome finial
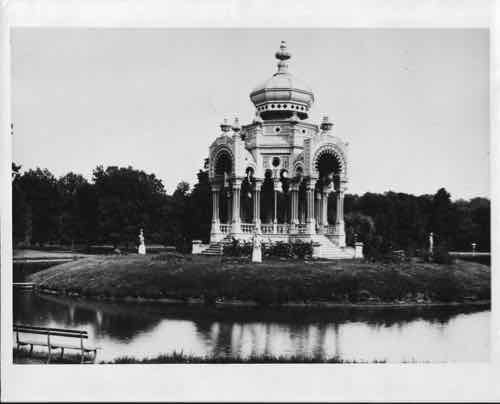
<point>283,55</point>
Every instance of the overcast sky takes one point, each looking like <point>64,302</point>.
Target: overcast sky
<point>412,103</point>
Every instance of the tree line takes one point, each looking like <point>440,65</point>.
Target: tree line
<point>118,201</point>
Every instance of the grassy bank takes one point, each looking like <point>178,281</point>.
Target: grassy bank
<point>22,356</point>
<point>214,279</point>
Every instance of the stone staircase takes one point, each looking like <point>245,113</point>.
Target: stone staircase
<point>216,248</point>
<point>329,250</point>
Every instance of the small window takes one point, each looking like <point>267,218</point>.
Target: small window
<point>276,161</point>
<point>277,129</point>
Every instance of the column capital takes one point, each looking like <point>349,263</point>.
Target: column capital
<point>236,182</point>
<point>318,195</point>
<point>343,185</point>
<point>257,185</point>
<point>310,184</point>
<point>327,189</point>
<point>276,185</point>
<point>216,187</point>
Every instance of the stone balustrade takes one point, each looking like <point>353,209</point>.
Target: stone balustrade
<point>247,227</point>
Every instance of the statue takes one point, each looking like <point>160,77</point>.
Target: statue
<point>142,246</point>
<point>256,250</point>
<point>431,242</point>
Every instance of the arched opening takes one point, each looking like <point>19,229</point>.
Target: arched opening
<point>329,168</point>
<point>267,198</point>
<point>223,168</point>
<point>223,164</point>
<point>246,200</point>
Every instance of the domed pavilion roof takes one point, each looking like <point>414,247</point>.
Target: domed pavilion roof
<point>282,95</point>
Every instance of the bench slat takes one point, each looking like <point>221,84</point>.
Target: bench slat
<point>56,346</point>
<point>46,328</point>
<point>55,334</point>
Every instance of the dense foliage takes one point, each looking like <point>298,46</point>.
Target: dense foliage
<point>110,209</point>
<point>118,201</point>
<point>280,249</point>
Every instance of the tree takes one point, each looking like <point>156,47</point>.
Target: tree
<point>127,200</point>
<point>200,208</point>
<point>38,199</point>
<point>359,226</point>
<point>443,217</point>
<point>20,209</point>
<point>71,220</point>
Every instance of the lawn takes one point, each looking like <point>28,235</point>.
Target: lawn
<point>215,279</point>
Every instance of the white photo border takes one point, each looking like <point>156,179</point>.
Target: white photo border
<point>280,382</point>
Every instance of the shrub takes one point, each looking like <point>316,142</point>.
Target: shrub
<point>237,249</point>
<point>297,249</point>
<point>302,249</point>
<point>278,249</point>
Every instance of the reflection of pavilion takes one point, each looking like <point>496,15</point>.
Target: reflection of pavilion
<point>277,174</point>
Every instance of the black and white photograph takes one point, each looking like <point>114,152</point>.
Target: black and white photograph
<point>221,196</point>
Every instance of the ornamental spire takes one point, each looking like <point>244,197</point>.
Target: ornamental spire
<point>282,55</point>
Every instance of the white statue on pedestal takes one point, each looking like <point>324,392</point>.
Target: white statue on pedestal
<point>256,250</point>
<point>142,246</point>
<point>431,242</point>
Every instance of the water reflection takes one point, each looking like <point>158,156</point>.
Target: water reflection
<point>148,329</point>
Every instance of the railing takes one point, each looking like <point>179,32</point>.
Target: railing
<point>266,228</point>
<point>279,228</point>
<point>301,228</point>
<point>247,227</point>
<point>329,229</point>
<point>282,228</point>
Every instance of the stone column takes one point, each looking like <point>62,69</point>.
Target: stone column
<point>229,206</point>
<point>276,185</point>
<point>236,220</point>
<point>324,209</point>
<point>294,208</point>
<point>311,223</point>
<point>317,211</point>
<point>256,204</point>
<point>339,222</point>
<point>215,229</point>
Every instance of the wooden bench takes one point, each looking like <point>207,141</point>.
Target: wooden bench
<point>54,332</point>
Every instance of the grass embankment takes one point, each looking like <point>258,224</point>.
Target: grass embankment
<point>22,356</point>
<point>214,279</point>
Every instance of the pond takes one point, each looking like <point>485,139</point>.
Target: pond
<point>139,329</point>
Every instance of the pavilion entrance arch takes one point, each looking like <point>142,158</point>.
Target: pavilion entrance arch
<point>329,167</point>
<point>221,170</point>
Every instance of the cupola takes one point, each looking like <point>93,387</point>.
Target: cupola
<point>282,95</point>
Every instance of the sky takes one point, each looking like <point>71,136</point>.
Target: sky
<point>412,103</point>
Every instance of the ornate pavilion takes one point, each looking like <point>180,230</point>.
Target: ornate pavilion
<point>276,175</point>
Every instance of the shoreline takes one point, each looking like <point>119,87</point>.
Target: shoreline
<point>247,303</point>
<point>23,357</point>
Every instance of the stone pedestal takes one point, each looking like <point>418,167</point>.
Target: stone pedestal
<point>358,250</point>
